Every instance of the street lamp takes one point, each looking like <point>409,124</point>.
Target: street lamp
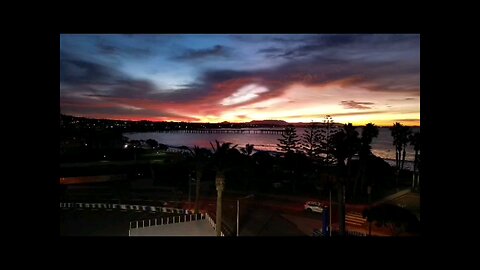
<point>238,210</point>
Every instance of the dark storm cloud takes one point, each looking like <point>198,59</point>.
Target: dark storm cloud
<point>357,113</point>
<point>77,71</point>
<point>216,51</point>
<point>350,104</point>
<point>387,63</point>
<point>114,111</point>
<point>218,84</point>
<point>125,51</point>
<point>333,115</point>
<point>339,45</point>
<point>270,50</point>
<point>108,83</point>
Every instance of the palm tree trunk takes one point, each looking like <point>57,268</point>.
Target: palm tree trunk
<point>397,158</point>
<point>403,156</point>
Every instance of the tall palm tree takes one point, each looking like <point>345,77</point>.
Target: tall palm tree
<point>405,135</point>
<point>344,144</point>
<point>222,160</point>
<point>415,141</point>
<point>199,157</point>
<point>369,132</point>
<point>222,154</point>
<point>400,134</point>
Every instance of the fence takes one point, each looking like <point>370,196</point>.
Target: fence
<point>188,215</point>
<point>124,207</point>
<point>170,220</point>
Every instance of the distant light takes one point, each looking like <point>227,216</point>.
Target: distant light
<point>86,144</point>
<point>126,145</point>
<point>104,156</point>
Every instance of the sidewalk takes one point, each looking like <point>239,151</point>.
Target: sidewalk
<point>393,196</point>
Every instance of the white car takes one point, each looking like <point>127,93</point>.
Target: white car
<point>312,206</point>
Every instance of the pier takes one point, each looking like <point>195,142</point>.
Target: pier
<point>226,131</point>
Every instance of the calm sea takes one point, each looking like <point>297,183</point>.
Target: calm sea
<point>382,146</point>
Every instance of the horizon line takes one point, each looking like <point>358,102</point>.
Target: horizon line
<point>223,122</point>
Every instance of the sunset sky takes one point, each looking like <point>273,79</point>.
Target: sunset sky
<point>238,78</point>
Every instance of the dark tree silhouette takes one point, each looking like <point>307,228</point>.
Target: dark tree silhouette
<point>325,137</point>
<point>345,144</point>
<point>152,143</point>
<point>369,132</point>
<point>400,134</point>
<point>415,141</point>
<point>395,218</point>
<point>222,154</point>
<point>248,149</point>
<point>311,141</point>
<point>199,158</point>
<point>289,140</point>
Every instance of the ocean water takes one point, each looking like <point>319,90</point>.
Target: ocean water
<point>382,146</point>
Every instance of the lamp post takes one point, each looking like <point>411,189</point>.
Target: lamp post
<point>238,211</point>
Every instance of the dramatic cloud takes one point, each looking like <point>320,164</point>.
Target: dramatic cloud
<point>198,77</point>
<point>244,94</point>
<point>216,51</point>
<point>119,51</point>
<point>356,105</point>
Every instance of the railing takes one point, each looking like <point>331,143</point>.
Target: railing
<point>124,207</point>
<point>170,220</point>
<point>210,220</point>
<point>188,214</point>
<point>164,221</point>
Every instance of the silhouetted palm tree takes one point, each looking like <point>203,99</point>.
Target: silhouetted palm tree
<point>248,149</point>
<point>222,154</point>
<point>345,144</point>
<point>199,157</point>
<point>400,134</point>
<point>369,132</point>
